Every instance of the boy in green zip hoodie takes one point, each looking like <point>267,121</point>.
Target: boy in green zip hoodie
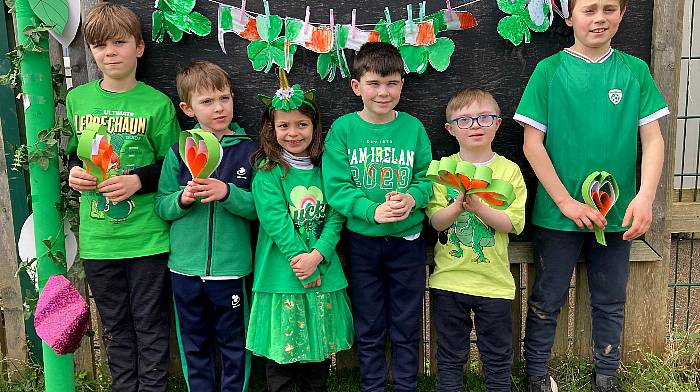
<point>210,252</point>
<point>374,170</point>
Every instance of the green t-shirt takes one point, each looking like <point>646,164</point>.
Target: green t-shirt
<point>591,113</point>
<point>471,257</point>
<point>142,126</point>
<point>363,162</point>
<point>295,218</point>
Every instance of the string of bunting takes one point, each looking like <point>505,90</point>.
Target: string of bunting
<point>415,37</point>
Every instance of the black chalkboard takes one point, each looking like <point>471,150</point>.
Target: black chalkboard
<point>481,58</point>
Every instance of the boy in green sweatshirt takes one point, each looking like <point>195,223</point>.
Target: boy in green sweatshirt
<point>210,251</point>
<point>374,173</point>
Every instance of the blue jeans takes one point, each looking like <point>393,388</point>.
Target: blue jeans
<point>556,253</point>
<point>387,281</point>
<point>494,331</point>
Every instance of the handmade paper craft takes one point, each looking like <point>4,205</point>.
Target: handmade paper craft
<point>328,63</point>
<point>516,27</point>
<point>472,180</point>
<point>600,191</point>
<point>288,98</point>
<point>317,39</point>
<point>70,29</point>
<point>96,151</point>
<point>51,12</point>
<point>176,17</point>
<point>271,49</point>
<point>62,315</point>
<point>201,152</point>
<point>236,20</point>
<point>458,20</point>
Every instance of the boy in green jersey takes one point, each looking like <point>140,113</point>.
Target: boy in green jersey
<point>583,110</point>
<point>374,170</point>
<point>472,271</point>
<point>123,243</point>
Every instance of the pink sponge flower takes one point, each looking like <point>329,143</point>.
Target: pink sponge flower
<point>62,315</point>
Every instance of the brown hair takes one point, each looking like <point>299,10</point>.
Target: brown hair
<point>269,153</point>
<point>378,57</point>
<point>468,96</point>
<point>109,21</point>
<point>623,5</point>
<point>199,76</point>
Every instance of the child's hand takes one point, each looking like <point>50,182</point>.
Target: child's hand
<point>209,188</point>
<point>401,204</point>
<point>315,283</point>
<point>305,264</point>
<point>80,180</point>
<point>187,195</point>
<point>119,188</point>
<point>582,214</point>
<point>472,204</point>
<point>639,212</point>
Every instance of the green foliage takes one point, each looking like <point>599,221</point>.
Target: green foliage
<point>271,50</point>
<point>516,28</point>
<point>176,18</point>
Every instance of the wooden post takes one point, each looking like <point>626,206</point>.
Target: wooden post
<point>645,314</point>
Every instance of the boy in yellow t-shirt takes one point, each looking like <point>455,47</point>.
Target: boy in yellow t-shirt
<point>472,271</point>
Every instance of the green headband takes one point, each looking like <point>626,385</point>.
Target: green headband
<point>288,98</point>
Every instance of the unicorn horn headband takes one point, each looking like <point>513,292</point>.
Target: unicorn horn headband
<point>288,98</point>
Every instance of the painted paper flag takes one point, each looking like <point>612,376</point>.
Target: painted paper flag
<point>235,20</point>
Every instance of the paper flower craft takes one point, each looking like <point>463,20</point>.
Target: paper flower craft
<point>201,152</point>
<point>96,151</point>
<point>288,98</point>
<point>472,180</point>
<point>62,315</point>
<point>600,191</point>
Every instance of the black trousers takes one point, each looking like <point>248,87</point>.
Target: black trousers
<point>132,299</point>
<point>309,376</point>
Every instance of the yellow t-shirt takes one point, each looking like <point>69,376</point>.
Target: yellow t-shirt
<point>471,257</point>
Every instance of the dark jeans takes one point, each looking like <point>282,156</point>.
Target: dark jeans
<point>556,254</point>
<point>494,330</point>
<point>387,281</point>
<point>132,298</point>
<point>211,314</point>
<point>309,376</point>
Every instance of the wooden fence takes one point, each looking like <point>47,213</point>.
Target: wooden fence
<point>645,327</point>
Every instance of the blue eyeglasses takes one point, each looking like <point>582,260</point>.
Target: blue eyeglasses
<point>466,122</point>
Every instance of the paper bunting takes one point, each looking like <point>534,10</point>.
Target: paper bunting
<point>201,152</point>
<point>535,15</point>
<point>472,180</point>
<point>236,20</point>
<point>96,151</point>
<point>601,192</point>
<point>176,17</point>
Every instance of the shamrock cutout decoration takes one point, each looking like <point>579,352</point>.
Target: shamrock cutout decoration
<point>176,17</point>
<point>271,49</point>
<point>201,152</point>
<point>601,192</point>
<point>470,179</point>
<point>96,151</point>
<point>516,27</point>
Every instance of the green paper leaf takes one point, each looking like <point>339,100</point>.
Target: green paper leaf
<point>292,28</point>
<point>51,12</point>
<point>226,20</point>
<point>514,7</point>
<point>199,24</point>
<point>415,57</point>
<point>268,28</point>
<point>158,31</point>
<point>181,6</point>
<point>514,29</point>
<point>276,49</point>
<point>179,21</point>
<point>440,53</point>
<point>258,54</point>
<point>324,64</point>
<point>396,37</point>
<point>174,33</point>
<point>545,24</point>
<point>162,5</point>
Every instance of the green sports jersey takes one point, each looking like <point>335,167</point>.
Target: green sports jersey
<point>142,127</point>
<point>591,113</point>
<point>363,162</point>
<point>470,256</point>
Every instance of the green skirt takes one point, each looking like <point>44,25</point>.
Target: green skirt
<point>306,327</point>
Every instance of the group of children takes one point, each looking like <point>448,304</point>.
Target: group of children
<point>153,229</point>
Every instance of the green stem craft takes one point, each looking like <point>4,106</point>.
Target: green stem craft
<point>471,179</point>
<point>201,152</point>
<point>96,151</point>
<point>600,191</point>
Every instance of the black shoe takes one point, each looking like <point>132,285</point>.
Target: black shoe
<point>602,383</point>
<point>542,384</point>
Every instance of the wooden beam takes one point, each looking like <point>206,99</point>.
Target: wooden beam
<point>521,253</point>
<point>685,217</point>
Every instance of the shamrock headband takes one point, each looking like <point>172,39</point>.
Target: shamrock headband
<point>288,98</point>
<point>561,7</point>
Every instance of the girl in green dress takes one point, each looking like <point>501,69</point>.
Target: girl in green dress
<point>300,314</point>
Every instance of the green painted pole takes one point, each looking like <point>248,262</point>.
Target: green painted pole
<point>37,97</point>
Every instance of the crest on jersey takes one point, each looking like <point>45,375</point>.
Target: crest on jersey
<point>615,96</point>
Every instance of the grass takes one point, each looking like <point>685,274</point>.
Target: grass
<point>678,371</point>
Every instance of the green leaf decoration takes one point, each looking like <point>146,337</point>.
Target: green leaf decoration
<point>513,7</point>
<point>269,27</point>
<point>180,21</point>
<point>163,5</point>
<point>158,31</point>
<point>180,6</point>
<point>516,27</point>
<point>263,55</point>
<point>258,54</point>
<point>394,34</point>
<point>199,24</point>
<point>415,58</point>
<point>174,33</point>
<point>51,12</point>
<point>177,18</point>
<point>292,28</point>
<point>440,53</point>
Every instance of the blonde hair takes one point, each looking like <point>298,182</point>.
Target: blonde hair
<point>199,76</point>
<point>109,21</point>
<point>468,96</point>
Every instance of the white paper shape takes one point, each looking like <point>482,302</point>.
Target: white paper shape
<point>71,28</point>
<point>356,40</point>
<point>237,26</point>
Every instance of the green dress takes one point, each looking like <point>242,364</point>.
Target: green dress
<point>289,323</point>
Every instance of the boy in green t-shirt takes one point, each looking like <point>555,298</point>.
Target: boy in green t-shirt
<point>374,170</point>
<point>472,271</point>
<point>583,110</point>
<point>123,243</point>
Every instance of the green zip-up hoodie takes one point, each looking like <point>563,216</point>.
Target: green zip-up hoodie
<point>210,239</point>
<point>363,162</point>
